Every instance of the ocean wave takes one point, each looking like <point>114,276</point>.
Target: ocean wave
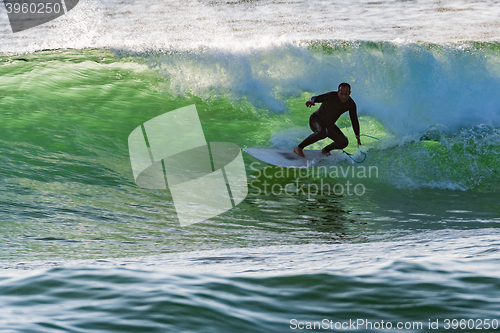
<point>429,113</point>
<point>408,87</point>
<point>127,299</point>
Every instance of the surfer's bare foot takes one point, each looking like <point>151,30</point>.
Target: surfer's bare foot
<point>299,152</point>
<point>325,152</point>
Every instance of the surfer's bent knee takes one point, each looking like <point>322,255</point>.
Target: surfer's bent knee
<point>340,144</point>
<point>343,144</point>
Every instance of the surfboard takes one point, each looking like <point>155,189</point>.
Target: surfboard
<point>287,158</point>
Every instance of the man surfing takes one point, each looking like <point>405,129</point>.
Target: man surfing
<point>322,121</point>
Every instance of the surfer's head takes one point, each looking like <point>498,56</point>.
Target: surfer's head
<point>344,92</point>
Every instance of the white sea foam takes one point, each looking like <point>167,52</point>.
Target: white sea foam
<point>166,24</point>
<point>407,87</point>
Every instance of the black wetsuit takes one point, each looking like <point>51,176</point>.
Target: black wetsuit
<point>322,121</point>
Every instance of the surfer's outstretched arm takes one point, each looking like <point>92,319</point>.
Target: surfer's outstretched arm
<point>310,102</point>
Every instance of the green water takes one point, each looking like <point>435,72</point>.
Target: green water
<point>84,249</point>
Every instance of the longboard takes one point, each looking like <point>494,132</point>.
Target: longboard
<point>287,158</point>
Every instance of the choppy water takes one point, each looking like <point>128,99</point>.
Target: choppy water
<point>408,236</point>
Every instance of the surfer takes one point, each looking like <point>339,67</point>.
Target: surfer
<point>322,121</point>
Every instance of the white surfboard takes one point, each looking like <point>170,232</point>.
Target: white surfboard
<point>286,157</point>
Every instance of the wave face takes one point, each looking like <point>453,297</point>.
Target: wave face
<point>434,108</point>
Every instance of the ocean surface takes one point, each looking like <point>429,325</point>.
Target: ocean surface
<point>406,241</point>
